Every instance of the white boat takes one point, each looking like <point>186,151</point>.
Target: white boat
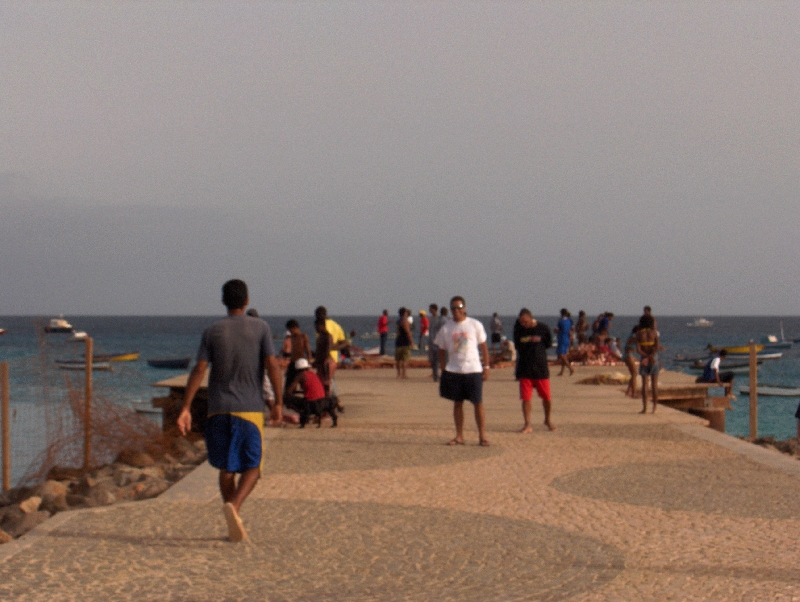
<point>81,365</point>
<point>700,323</point>
<point>773,391</point>
<point>78,336</point>
<point>2,330</point>
<point>58,324</point>
<point>773,342</point>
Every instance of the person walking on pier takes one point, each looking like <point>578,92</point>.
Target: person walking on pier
<point>239,349</point>
<point>462,345</point>
<point>532,340</point>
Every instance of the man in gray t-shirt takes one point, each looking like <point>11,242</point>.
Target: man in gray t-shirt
<point>238,349</point>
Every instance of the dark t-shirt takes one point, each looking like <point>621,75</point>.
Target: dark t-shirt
<point>236,348</point>
<point>532,345</point>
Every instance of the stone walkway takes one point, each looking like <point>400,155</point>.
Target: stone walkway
<point>611,506</point>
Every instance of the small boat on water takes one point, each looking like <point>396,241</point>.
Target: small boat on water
<point>773,342</point>
<point>78,336</point>
<point>700,323</point>
<point>143,407</point>
<point>81,365</point>
<point>2,330</point>
<point>736,368</point>
<point>131,356</point>
<point>58,324</point>
<point>736,349</point>
<point>178,363</point>
<point>773,390</point>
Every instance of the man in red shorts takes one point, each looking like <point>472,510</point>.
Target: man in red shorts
<point>532,340</point>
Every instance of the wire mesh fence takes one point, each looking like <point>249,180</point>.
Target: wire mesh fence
<point>47,421</point>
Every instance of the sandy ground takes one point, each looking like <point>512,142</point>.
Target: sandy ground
<point>613,505</point>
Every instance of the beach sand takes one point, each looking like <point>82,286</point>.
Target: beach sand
<point>613,505</point>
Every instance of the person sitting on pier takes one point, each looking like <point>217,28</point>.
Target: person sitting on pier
<point>711,373</point>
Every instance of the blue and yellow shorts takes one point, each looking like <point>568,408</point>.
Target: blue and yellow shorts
<point>234,440</point>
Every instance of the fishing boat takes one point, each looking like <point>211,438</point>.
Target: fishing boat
<point>81,365</point>
<point>770,355</point>
<point>131,356</point>
<point>78,336</point>
<point>773,342</point>
<point>58,324</point>
<point>700,323</point>
<point>178,363</point>
<point>737,368</point>
<point>736,349</point>
<point>773,390</point>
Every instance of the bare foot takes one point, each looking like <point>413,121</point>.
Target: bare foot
<point>526,429</point>
<point>484,443</point>
<point>455,442</point>
<point>643,412</point>
<point>549,425</point>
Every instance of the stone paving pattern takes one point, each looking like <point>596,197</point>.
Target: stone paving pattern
<point>612,506</point>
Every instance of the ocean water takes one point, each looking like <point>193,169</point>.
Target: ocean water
<point>36,382</point>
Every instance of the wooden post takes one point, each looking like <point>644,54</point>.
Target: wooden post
<point>5,414</point>
<point>87,410</point>
<point>753,392</point>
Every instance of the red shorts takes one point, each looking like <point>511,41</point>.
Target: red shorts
<point>527,385</point>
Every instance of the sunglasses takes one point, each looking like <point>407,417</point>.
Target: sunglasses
<point>455,307</point>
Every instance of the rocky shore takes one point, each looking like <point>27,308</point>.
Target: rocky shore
<point>135,475</point>
<point>790,447</point>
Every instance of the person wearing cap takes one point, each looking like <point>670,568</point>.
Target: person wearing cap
<point>312,386</point>
<point>465,357</point>
<point>238,350</point>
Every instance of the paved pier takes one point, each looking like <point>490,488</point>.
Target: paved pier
<point>612,506</point>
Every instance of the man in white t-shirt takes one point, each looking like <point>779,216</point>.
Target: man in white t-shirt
<point>462,344</point>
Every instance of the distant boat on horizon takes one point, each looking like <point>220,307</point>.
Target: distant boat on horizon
<point>700,323</point>
<point>58,324</point>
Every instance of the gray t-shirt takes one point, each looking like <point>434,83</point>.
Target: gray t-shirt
<point>236,348</point>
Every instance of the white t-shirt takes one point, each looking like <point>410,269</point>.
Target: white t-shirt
<point>715,364</point>
<point>461,340</point>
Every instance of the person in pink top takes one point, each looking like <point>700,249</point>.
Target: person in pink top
<point>383,329</point>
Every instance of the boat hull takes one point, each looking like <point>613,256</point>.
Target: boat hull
<point>773,391</point>
<point>170,364</point>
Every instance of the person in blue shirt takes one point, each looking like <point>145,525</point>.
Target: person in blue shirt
<point>564,341</point>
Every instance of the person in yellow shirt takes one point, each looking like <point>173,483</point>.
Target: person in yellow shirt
<point>338,341</point>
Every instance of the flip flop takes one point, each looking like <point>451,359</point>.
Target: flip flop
<point>484,443</point>
<point>454,442</point>
<point>236,532</point>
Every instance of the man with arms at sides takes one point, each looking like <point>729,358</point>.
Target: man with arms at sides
<point>383,330</point>
<point>433,350</point>
<point>564,339</point>
<point>647,345</point>
<point>465,357</point>
<point>532,340</point>
<point>239,349</point>
<point>403,342</point>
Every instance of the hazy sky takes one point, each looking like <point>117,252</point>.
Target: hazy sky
<point>593,155</point>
